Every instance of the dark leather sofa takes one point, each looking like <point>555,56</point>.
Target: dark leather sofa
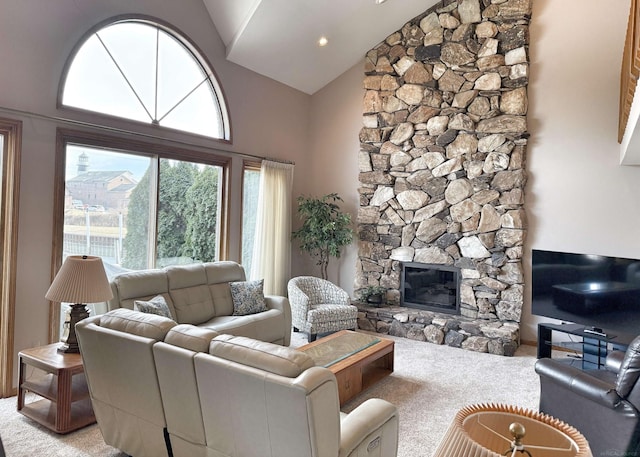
<point>602,404</point>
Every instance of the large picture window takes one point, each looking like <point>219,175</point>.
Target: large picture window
<point>138,205</point>
<point>110,208</point>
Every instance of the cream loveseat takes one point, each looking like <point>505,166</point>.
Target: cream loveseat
<point>200,294</point>
<point>161,389</point>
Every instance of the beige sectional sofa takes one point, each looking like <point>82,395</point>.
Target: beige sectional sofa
<point>160,389</point>
<point>199,294</point>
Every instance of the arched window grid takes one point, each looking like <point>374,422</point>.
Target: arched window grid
<point>208,77</point>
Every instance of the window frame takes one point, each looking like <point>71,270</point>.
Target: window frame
<point>189,44</point>
<point>9,210</point>
<point>160,149</point>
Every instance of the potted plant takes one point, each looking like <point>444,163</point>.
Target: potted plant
<point>325,228</point>
<point>373,294</point>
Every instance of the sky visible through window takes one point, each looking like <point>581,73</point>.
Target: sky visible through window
<point>105,160</point>
<point>139,71</point>
<point>100,160</point>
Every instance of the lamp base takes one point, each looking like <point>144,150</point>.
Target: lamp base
<point>66,349</point>
<point>78,312</point>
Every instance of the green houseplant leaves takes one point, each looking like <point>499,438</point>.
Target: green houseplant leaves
<point>325,229</point>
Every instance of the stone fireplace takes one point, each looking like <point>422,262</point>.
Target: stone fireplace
<point>442,156</point>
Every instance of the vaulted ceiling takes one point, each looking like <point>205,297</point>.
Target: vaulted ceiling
<point>279,38</point>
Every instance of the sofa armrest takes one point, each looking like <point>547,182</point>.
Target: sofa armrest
<point>282,304</point>
<point>614,360</point>
<point>578,382</point>
<point>276,302</point>
<point>373,424</point>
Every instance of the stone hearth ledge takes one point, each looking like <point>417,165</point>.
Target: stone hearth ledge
<point>479,335</point>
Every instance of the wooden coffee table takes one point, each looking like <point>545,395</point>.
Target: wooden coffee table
<point>357,359</point>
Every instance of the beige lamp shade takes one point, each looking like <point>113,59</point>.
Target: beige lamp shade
<point>483,431</point>
<point>81,279</point>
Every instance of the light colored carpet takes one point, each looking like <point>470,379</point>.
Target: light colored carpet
<point>429,385</point>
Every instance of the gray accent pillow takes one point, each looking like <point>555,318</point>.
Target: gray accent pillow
<point>247,297</point>
<point>157,305</point>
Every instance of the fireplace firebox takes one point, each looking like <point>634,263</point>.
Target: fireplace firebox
<point>430,287</point>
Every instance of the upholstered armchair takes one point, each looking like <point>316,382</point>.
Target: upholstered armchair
<point>319,306</point>
<point>602,404</point>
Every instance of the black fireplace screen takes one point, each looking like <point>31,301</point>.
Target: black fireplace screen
<point>431,287</point>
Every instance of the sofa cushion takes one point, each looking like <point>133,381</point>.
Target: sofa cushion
<point>190,337</point>
<point>268,326</point>
<point>137,323</point>
<point>190,293</point>
<point>280,360</point>
<point>219,275</point>
<point>139,285</point>
<point>224,271</point>
<point>247,297</point>
<point>157,305</point>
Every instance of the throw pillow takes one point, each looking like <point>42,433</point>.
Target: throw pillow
<point>157,305</point>
<point>247,297</point>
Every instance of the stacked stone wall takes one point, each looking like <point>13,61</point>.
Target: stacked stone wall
<point>443,152</point>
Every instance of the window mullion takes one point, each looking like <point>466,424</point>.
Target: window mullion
<point>183,99</point>
<point>154,190</point>
<point>135,94</point>
<point>155,107</point>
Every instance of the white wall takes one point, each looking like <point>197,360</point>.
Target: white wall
<point>336,120</point>
<point>36,38</point>
<point>579,199</point>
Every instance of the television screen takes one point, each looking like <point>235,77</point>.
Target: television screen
<point>591,290</point>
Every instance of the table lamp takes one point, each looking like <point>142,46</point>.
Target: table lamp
<point>81,280</point>
<point>489,430</point>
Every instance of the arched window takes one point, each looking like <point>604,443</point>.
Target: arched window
<point>140,204</point>
<point>139,69</point>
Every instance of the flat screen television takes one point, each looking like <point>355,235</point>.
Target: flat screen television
<point>592,290</point>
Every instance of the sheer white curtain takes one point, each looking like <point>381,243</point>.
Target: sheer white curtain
<point>272,243</point>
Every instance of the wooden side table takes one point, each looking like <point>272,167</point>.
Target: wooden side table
<point>59,379</point>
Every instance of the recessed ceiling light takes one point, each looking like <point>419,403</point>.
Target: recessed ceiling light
<point>323,41</point>
<point>379,2</point>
